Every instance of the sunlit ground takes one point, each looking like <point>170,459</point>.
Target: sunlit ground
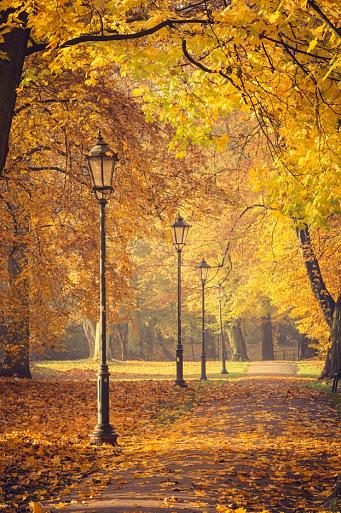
<point>134,369</point>
<point>137,369</point>
<point>309,368</point>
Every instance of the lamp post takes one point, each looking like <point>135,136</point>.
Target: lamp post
<point>203,270</point>
<point>220,295</point>
<point>180,231</point>
<point>102,161</point>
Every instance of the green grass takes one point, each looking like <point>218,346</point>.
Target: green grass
<point>132,370</point>
<point>309,368</point>
<point>326,387</point>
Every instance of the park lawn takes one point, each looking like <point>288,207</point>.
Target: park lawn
<point>132,369</point>
<point>309,368</point>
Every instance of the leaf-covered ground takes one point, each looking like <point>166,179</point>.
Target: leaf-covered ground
<point>255,443</point>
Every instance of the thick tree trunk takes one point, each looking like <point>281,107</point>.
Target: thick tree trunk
<point>15,352</point>
<point>267,345</point>
<point>330,309</point>
<point>237,342</point>
<point>333,359</point>
<point>320,291</point>
<point>16,329</point>
<point>14,46</point>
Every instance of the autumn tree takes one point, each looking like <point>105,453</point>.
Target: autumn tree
<point>274,61</point>
<point>47,185</point>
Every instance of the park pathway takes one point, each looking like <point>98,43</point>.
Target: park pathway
<point>270,368</point>
<point>270,444</point>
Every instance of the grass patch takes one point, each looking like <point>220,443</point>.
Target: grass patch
<point>309,368</point>
<point>132,370</point>
<point>326,388</point>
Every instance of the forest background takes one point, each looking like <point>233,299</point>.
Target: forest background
<point>227,112</point>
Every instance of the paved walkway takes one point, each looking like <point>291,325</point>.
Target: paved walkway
<point>271,368</point>
<point>246,449</point>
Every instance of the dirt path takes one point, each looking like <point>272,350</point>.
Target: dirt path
<point>271,368</point>
<point>271,444</point>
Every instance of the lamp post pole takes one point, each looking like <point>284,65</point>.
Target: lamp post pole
<point>101,164</point>
<point>179,347</point>
<point>203,271</point>
<point>203,342</point>
<point>223,354</point>
<point>103,432</point>
<point>180,230</point>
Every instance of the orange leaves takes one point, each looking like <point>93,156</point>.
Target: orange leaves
<point>243,445</point>
<point>36,507</point>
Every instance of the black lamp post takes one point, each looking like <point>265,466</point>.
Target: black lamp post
<point>220,295</point>
<point>180,231</point>
<point>102,163</point>
<point>203,270</point>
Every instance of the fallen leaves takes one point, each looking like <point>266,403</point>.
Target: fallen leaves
<point>244,444</point>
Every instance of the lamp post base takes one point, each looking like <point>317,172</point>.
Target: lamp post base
<point>224,371</point>
<point>181,383</point>
<point>203,378</point>
<point>103,434</point>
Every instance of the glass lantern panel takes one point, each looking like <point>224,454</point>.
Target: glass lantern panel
<point>178,234</point>
<point>184,237</point>
<point>95,168</point>
<point>107,171</point>
<point>220,292</point>
<point>204,273</point>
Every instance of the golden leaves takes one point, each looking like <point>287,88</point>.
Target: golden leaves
<point>36,507</point>
<point>237,457</point>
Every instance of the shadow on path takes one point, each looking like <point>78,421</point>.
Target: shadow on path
<point>270,445</point>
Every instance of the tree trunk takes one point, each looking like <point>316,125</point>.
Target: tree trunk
<point>135,334</point>
<point>330,309</point>
<point>167,354</point>
<point>97,344</point>
<point>237,342</point>
<point>110,341</point>
<point>304,350</point>
<point>14,46</point>
<point>15,353</point>
<point>192,347</point>
<point>333,359</point>
<point>16,329</point>
<point>122,333</point>
<point>90,334</point>
<point>320,291</point>
<point>211,346</point>
<point>267,345</point>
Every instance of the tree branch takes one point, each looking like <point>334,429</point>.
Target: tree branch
<point>316,8</point>
<point>86,38</point>
<point>205,68</point>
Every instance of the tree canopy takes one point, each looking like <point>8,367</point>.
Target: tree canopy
<point>228,111</point>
